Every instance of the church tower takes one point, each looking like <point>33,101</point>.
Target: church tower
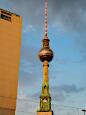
<point>45,55</point>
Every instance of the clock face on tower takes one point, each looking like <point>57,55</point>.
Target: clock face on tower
<point>45,100</point>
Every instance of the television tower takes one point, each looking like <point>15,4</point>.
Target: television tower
<point>45,55</point>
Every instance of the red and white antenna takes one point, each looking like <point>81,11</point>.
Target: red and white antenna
<point>46,17</point>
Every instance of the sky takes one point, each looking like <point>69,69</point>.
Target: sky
<point>67,73</point>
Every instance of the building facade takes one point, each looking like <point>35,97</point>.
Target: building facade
<point>10,43</point>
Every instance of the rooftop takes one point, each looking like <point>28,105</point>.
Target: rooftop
<point>8,12</point>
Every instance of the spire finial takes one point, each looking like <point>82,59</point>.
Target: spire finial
<point>46,17</point>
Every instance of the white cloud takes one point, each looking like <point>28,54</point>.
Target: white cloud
<point>28,28</point>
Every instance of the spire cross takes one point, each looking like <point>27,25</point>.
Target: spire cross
<point>46,17</point>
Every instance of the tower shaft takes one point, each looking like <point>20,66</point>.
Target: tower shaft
<point>45,72</point>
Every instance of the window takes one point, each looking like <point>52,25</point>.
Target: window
<point>5,16</point>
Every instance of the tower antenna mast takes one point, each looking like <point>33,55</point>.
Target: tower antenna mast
<point>46,18</point>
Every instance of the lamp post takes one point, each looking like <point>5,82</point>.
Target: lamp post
<point>84,111</point>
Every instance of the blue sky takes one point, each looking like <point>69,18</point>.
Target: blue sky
<point>67,34</point>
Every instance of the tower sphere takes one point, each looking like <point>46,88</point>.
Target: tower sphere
<point>46,54</point>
